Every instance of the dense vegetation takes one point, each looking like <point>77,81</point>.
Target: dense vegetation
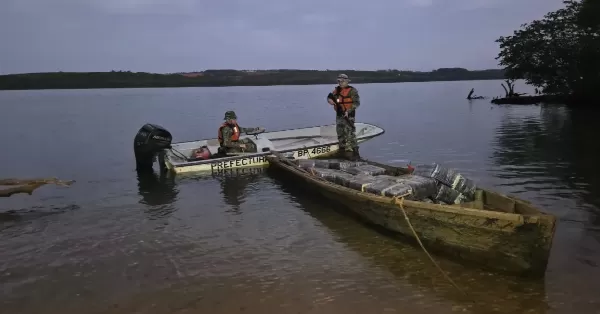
<point>559,54</point>
<point>126,79</point>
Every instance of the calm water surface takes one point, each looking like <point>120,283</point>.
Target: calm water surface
<point>255,243</point>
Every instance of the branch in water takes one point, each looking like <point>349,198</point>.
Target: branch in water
<point>28,186</point>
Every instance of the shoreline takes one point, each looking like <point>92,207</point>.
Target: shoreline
<point>244,85</point>
<point>230,78</point>
<point>557,99</point>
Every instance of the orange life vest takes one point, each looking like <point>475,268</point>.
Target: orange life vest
<point>236,132</point>
<point>343,97</point>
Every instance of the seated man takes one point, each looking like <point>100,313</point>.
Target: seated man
<point>229,136</point>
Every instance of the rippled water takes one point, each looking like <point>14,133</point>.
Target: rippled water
<point>251,243</point>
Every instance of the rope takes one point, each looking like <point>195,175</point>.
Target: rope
<point>400,204</point>
<point>180,154</point>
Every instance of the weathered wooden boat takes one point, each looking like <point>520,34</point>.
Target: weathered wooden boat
<point>490,230</point>
<point>410,265</point>
<point>304,143</point>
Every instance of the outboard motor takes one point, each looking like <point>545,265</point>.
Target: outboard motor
<point>150,140</point>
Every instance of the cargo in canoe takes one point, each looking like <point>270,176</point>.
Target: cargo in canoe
<point>451,216</point>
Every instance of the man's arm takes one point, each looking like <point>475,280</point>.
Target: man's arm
<point>355,98</point>
<point>330,99</point>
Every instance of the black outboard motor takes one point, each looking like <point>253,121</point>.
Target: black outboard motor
<point>150,140</point>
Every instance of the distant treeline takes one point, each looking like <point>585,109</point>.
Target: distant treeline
<point>127,79</point>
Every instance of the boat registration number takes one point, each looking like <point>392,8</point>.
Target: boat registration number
<point>314,151</point>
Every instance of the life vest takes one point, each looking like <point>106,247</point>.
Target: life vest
<point>236,132</point>
<point>342,95</point>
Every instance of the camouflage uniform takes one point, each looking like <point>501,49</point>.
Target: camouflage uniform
<point>229,146</point>
<point>345,126</point>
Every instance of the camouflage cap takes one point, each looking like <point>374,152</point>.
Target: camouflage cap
<point>343,77</point>
<point>230,115</point>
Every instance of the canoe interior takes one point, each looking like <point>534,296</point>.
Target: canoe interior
<point>279,141</point>
<point>491,231</point>
<point>485,200</point>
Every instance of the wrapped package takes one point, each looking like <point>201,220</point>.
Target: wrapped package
<point>332,175</point>
<point>313,163</point>
<point>342,178</point>
<point>379,185</point>
<point>359,182</point>
<point>448,177</point>
<point>435,171</point>
<point>365,170</point>
<point>398,190</point>
<point>388,177</point>
<point>327,174</point>
<point>465,186</point>
<point>341,164</point>
<point>449,196</point>
<point>422,187</point>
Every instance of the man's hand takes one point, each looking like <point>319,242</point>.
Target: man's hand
<point>331,102</point>
<point>346,114</point>
<point>242,146</point>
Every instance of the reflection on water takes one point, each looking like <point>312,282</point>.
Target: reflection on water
<point>234,184</point>
<point>550,157</point>
<point>157,189</point>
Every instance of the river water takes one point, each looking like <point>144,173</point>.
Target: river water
<point>254,243</point>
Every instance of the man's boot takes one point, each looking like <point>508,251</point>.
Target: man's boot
<point>348,155</point>
<point>340,152</point>
<point>356,154</point>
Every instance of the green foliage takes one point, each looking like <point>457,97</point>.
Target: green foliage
<point>127,79</point>
<point>559,53</point>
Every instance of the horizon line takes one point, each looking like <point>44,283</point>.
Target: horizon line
<point>254,70</point>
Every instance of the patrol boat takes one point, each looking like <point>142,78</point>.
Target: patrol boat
<point>154,141</point>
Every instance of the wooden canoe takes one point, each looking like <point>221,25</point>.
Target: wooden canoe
<point>495,232</point>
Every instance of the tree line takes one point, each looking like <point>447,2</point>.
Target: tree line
<point>559,54</point>
<point>127,79</point>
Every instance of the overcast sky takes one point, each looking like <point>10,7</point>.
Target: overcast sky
<point>186,35</point>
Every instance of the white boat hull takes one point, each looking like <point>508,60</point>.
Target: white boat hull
<point>302,143</point>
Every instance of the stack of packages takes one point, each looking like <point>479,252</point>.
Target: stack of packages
<point>453,188</point>
<point>428,183</point>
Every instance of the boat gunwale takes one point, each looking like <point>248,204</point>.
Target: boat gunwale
<point>275,131</point>
<point>451,209</point>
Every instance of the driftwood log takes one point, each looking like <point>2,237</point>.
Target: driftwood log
<point>471,96</point>
<point>27,185</point>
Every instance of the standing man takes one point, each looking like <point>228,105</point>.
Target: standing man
<point>229,136</point>
<point>345,100</point>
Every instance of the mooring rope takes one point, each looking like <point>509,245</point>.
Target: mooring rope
<point>399,200</point>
